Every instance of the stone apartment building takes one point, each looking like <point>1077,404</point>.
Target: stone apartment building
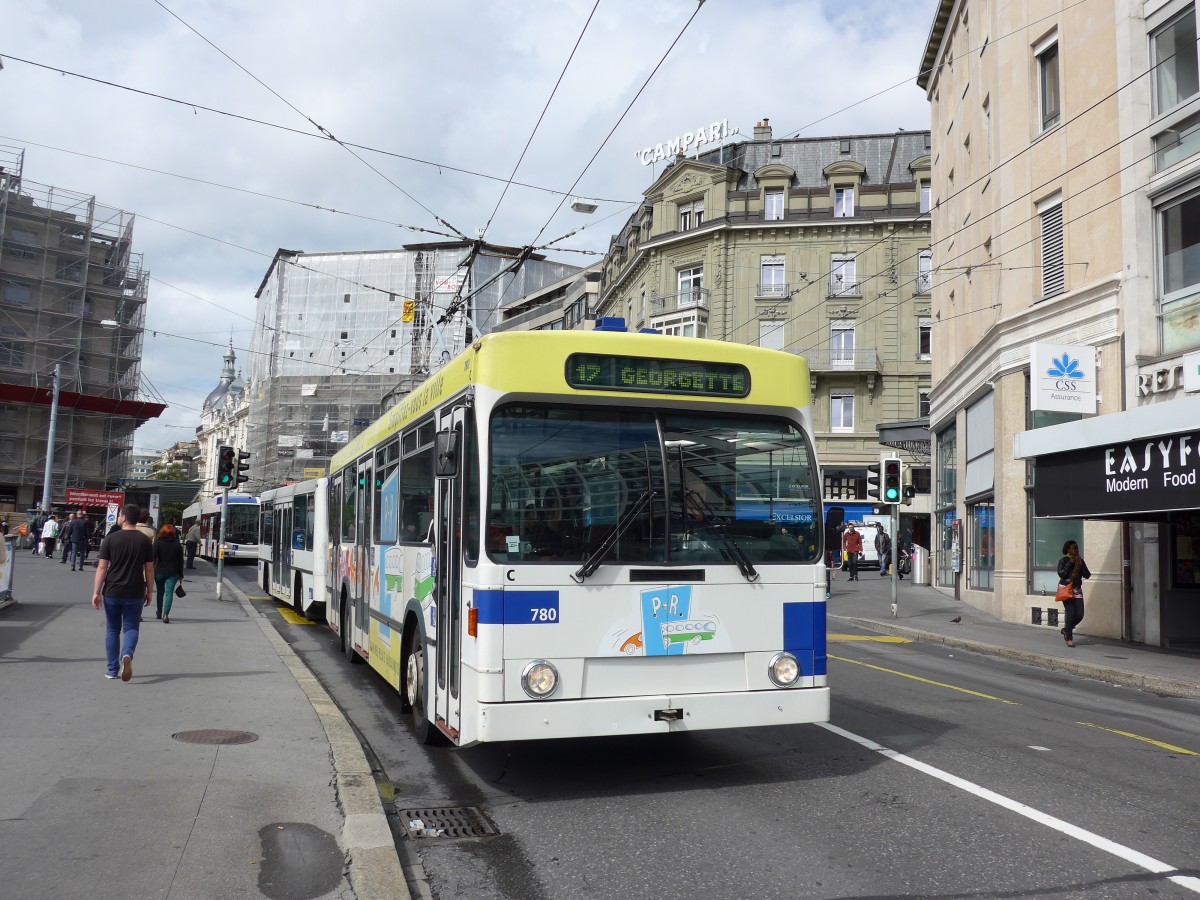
<point>1066,179</point>
<point>815,246</point>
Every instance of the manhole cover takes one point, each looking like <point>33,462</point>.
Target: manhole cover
<point>215,736</point>
<point>446,822</point>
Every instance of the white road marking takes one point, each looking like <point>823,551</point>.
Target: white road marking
<point>1149,863</point>
<point>1036,747</point>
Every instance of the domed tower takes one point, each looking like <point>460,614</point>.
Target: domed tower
<point>217,395</point>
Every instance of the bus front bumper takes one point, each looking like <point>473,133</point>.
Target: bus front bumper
<point>658,714</point>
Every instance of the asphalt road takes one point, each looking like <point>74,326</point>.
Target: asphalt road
<point>943,774</point>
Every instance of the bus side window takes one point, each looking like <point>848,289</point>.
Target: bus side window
<point>416,494</point>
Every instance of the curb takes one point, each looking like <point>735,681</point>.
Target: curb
<point>374,870</point>
<point>1154,684</point>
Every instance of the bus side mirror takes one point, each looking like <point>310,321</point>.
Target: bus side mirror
<point>445,446</point>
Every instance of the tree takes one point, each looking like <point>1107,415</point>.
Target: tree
<point>176,471</point>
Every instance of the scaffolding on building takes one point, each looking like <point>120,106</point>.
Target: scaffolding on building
<point>72,294</point>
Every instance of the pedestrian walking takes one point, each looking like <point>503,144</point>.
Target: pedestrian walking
<point>124,579</point>
<point>853,546</point>
<point>76,535</point>
<point>145,524</point>
<point>168,570</point>
<point>883,547</point>
<point>192,541</point>
<point>65,537</point>
<point>49,536</point>
<point>1071,572</point>
<point>35,532</point>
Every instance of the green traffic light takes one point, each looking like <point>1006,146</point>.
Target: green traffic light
<point>892,495</point>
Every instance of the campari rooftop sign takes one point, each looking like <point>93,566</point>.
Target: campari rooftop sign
<point>713,133</point>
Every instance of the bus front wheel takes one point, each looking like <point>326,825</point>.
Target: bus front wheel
<point>347,632</point>
<point>298,595</point>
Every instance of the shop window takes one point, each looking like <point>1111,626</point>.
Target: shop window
<point>946,501</point>
<point>982,517</point>
<point>1185,551</point>
<point>1049,536</point>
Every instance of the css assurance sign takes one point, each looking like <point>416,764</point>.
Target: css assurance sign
<point>1062,378</point>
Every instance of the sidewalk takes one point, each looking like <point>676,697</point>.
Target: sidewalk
<point>926,614</point>
<point>107,796</point>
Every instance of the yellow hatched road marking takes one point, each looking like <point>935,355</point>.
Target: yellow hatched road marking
<point>926,680</point>
<point>1138,737</point>
<point>877,638</point>
<point>294,617</point>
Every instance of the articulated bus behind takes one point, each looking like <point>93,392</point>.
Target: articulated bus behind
<point>241,529</point>
<point>295,535</point>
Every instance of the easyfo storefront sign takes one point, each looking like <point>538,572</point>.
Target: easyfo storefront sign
<point>714,133</point>
<point>1062,378</point>
<point>1152,475</point>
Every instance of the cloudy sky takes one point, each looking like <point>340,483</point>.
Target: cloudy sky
<point>430,88</point>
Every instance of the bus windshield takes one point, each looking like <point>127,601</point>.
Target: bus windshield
<point>242,527</point>
<point>561,478</point>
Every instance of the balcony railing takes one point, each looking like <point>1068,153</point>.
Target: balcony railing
<point>841,285</point>
<point>835,360</point>
<point>772,290</point>
<point>924,282</point>
<point>696,298</point>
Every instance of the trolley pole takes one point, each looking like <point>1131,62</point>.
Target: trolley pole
<point>221,541</point>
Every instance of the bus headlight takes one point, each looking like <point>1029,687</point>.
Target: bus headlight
<point>539,679</point>
<point>784,669</point>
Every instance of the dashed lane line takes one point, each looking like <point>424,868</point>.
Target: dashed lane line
<point>1138,737</point>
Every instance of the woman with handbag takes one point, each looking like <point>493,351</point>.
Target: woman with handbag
<point>168,570</point>
<point>1071,572</point>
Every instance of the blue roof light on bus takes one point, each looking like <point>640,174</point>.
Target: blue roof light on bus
<point>610,323</point>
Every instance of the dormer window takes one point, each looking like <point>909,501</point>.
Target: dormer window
<point>691,215</point>
<point>773,206</point>
<point>843,202</point>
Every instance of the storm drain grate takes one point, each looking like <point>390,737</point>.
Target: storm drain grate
<point>215,736</point>
<point>446,822</point>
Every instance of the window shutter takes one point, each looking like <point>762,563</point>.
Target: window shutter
<point>1053,275</point>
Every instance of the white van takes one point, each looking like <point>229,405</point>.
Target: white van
<point>866,527</point>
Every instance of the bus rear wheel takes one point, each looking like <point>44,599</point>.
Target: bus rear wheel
<point>347,632</point>
<point>414,692</point>
<point>298,595</point>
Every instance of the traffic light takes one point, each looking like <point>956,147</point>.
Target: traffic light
<point>909,493</point>
<point>226,456</point>
<point>873,472</point>
<point>893,480</point>
<point>243,465</point>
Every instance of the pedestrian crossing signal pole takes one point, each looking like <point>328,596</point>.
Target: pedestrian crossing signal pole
<point>226,477</point>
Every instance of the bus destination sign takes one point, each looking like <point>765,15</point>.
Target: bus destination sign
<point>597,372</point>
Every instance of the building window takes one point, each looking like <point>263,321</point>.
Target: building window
<point>773,207</point>
<point>1049,93</point>
<point>843,487</point>
<point>1053,267</point>
<point>22,236</point>
<point>925,272</point>
<point>691,215</point>
<point>18,291</point>
<point>689,325</point>
<point>771,281</point>
<point>1049,535</point>
<point>770,334</point>
<point>12,352</point>
<point>924,339</point>
<point>1178,142</point>
<point>841,343</point>
<point>841,412</point>
<point>843,202</point>
<point>926,196</point>
<point>1173,48</point>
<point>983,545</point>
<point>1179,239</point>
<point>923,408</point>
<point>842,279</point>
<point>691,283</point>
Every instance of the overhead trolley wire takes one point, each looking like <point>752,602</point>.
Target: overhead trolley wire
<point>296,131</point>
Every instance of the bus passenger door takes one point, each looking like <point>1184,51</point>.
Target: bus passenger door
<point>364,564</point>
<point>282,572</point>
<point>448,558</point>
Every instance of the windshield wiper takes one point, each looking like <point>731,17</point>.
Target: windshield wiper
<point>731,546</point>
<point>623,523</point>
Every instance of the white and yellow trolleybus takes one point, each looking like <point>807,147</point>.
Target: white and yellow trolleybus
<point>294,542</point>
<point>567,534</point>
<point>241,527</point>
